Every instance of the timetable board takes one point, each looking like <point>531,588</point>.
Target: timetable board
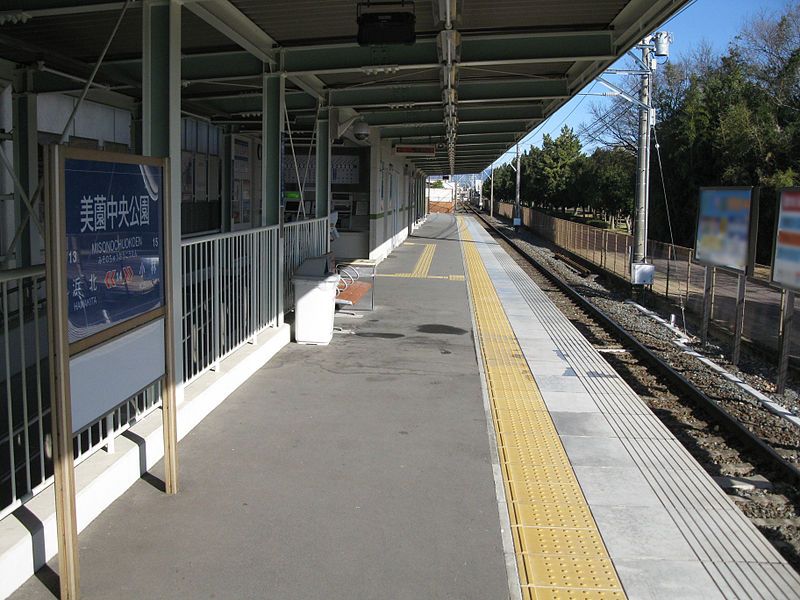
<point>345,169</point>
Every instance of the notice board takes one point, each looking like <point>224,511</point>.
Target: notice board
<point>724,235</point>
<point>786,250</point>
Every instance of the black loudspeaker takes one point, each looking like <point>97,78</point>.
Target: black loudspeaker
<point>380,28</point>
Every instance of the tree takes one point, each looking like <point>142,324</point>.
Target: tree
<point>556,167</point>
<point>612,172</point>
<point>617,125</point>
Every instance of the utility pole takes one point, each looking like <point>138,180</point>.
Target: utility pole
<point>642,207</point>
<point>652,47</point>
<point>517,208</point>
<point>491,195</point>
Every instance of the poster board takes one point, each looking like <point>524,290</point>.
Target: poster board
<point>725,229</point>
<point>786,244</point>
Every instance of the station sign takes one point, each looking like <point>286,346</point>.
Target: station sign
<point>114,243</point>
<point>786,250</point>
<point>427,150</point>
<point>109,317</point>
<point>724,234</point>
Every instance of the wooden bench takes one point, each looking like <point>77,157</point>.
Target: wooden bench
<point>357,280</point>
<point>353,293</point>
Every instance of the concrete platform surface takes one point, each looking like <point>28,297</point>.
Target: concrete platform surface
<point>357,470</point>
<point>370,468</point>
<point>670,530</point>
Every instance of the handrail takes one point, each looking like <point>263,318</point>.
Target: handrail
<point>225,235</point>
<point>21,273</point>
<point>298,223</point>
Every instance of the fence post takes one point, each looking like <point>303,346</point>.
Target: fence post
<point>688,275</point>
<point>786,324</point>
<point>616,251</point>
<point>253,292</point>
<point>669,262</point>
<point>741,288</point>
<point>708,294</point>
<point>604,255</point>
<point>216,301</point>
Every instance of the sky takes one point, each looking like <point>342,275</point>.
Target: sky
<point>716,22</point>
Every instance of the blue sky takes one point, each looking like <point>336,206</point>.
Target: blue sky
<point>714,21</point>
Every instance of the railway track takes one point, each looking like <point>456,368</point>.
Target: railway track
<point>752,453</point>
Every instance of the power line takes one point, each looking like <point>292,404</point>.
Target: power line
<point>523,141</point>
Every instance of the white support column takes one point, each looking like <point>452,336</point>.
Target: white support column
<point>376,206</point>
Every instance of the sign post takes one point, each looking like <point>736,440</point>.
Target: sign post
<point>741,287</point>
<point>708,299</point>
<point>725,237</point>
<point>60,405</point>
<point>787,322</point>
<point>110,324</point>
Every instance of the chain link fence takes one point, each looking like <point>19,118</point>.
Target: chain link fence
<point>676,278</point>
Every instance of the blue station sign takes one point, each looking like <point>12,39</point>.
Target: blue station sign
<point>114,243</point>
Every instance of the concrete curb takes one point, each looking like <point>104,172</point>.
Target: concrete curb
<point>28,535</point>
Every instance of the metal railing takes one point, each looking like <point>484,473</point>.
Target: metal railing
<point>230,294</point>
<point>25,418</point>
<point>231,291</point>
<point>301,240</point>
<point>25,422</point>
<point>677,277</point>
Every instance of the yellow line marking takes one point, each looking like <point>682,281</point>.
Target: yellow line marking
<point>424,263</point>
<point>560,553</point>
<point>423,266</point>
<point>412,276</point>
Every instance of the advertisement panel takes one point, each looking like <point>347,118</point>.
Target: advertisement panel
<point>786,251</point>
<point>723,234</point>
<point>114,243</point>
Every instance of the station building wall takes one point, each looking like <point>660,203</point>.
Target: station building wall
<point>391,201</point>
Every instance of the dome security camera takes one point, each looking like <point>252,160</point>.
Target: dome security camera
<point>361,130</point>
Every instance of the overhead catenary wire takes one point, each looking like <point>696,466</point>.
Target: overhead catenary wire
<point>538,127</point>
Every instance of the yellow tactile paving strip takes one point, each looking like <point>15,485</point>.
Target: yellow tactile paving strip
<point>560,553</point>
<point>423,266</point>
<point>424,263</point>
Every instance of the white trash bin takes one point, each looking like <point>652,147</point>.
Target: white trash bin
<point>314,303</point>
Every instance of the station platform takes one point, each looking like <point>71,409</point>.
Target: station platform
<point>462,440</point>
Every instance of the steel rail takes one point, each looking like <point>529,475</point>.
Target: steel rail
<point>678,383</point>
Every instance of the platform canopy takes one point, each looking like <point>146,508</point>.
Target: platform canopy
<point>481,74</point>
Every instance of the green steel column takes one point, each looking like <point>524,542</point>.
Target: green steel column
<point>26,165</point>
<point>272,123</point>
<point>161,133</point>
<point>323,183</point>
